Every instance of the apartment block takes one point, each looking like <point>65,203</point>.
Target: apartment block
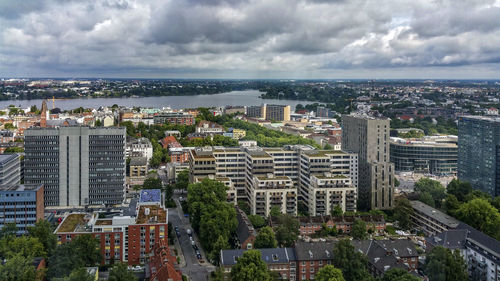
<point>271,191</point>
<point>123,237</point>
<point>140,147</point>
<point>176,118</point>
<point>261,172</point>
<point>10,169</point>
<point>369,138</point>
<point>22,205</point>
<point>271,112</point>
<point>78,166</point>
<point>326,191</point>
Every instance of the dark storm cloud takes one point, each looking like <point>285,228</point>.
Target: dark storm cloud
<point>270,37</point>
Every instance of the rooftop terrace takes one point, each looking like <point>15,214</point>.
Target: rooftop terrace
<point>156,215</point>
<point>71,223</point>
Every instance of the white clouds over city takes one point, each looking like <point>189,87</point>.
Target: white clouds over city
<point>250,38</point>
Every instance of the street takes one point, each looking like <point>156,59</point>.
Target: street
<point>193,269</point>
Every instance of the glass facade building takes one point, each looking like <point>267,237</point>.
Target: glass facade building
<point>433,155</point>
<point>478,151</point>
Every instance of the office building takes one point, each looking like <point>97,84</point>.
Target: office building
<point>10,169</point>
<point>478,151</point>
<point>263,175</point>
<point>22,205</point>
<point>176,118</point>
<point>270,112</point>
<point>435,155</point>
<point>78,166</point>
<point>127,237</point>
<point>369,138</point>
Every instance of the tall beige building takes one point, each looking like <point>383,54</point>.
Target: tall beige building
<point>270,112</point>
<point>369,138</point>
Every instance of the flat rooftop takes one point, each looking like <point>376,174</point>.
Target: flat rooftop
<point>150,195</point>
<point>19,187</point>
<point>434,213</point>
<point>71,223</point>
<point>156,214</point>
<point>8,157</point>
<point>322,153</point>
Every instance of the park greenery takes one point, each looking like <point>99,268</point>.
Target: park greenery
<point>211,216</point>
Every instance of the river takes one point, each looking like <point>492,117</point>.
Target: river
<point>248,97</point>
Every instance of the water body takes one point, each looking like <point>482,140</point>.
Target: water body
<point>249,97</point>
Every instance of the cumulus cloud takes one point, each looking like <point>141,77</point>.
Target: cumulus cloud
<point>249,38</point>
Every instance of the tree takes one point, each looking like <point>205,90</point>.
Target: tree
<point>443,265</point>
<point>182,181</point>
<point>257,221</point>
<point>481,215</point>
<point>18,268</point>
<point>204,195</point>
<point>43,231</point>
<point>266,238</point>
<point>358,229</point>
<point>433,187</point>
<point>459,189</point>
<point>496,202</point>
<point>402,212</point>
<point>8,229</point>
<point>426,197</point>
<point>275,211</point>
<point>152,183</point>
<point>337,211</point>
<point>217,221</point>
<point>25,246</point>
<point>79,274</point>
<point>287,231</point>
<point>220,244</point>
<point>250,267</point>
<point>63,260</point>
<point>88,249</point>
<point>120,272</point>
<point>451,204</point>
<point>351,262</point>
<point>398,274</point>
<point>329,273</point>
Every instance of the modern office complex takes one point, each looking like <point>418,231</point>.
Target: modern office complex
<point>479,151</point>
<point>369,138</point>
<point>22,205</point>
<point>78,166</point>
<point>10,169</point>
<point>123,237</point>
<point>431,154</point>
<point>267,177</point>
<point>270,112</point>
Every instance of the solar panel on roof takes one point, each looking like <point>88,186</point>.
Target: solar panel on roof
<point>150,195</point>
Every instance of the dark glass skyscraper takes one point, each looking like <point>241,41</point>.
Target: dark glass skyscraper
<point>478,151</point>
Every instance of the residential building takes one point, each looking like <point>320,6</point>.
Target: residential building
<point>128,237</point>
<point>271,112</point>
<point>369,138</point>
<point>235,110</point>
<point>162,264</point>
<point>311,257</point>
<point>478,153</point>
<point>278,260</point>
<point>78,166</point>
<point>324,192</point>
<point>209,128</point>
<point>141,147</point>
<point>322,111</point>
<point>22,205</point>
<point>431,220</point>
<point>435,155</point>
<point>138,170</point>
<point>480,251</point>
<point>176,118</point>
<point>245,232</point>
<point>287,168</point>
<point>270,191</point>
<point>10,169</point>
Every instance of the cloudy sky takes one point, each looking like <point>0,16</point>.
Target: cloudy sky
<point>250,38</point>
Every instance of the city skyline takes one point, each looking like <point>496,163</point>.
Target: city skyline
<point>250,39</point>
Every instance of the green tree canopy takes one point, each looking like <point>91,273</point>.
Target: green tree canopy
<point>352,263</point>
<point>451,204</point>
<point>152,183</point>
<point>257,221</point>
<point>44,232</point>
<point>221,244</point>
<point>426,197</point>
<point>337,211</point>
<point>459,189</point>
<point>182,181</point>
<point>120,272</point>
<point>399,274</point>
<point>287,231</point>
<point>443,265</point>
<point>358,229</point>
<point>433,187</point>
<point>329,273</point>
<point>18,268</point>
<point>402,212</point>
<point>266,238</point>
<point>250,267</point>
<point>479,214</point>
<point>28,247</point>
<point>8,229</point>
